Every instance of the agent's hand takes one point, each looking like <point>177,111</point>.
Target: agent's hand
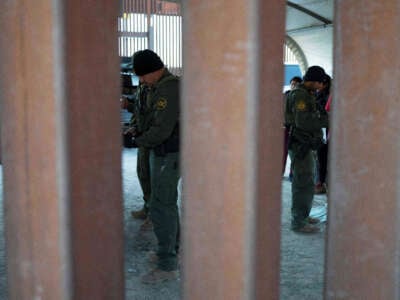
<point>131,130</point>
<point>129,141</point>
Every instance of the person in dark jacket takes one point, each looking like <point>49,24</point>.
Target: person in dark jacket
<point>294,82</point>
<point>137,106</point>
<point>322,152</point>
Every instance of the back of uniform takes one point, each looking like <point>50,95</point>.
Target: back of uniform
<point>306,124</point>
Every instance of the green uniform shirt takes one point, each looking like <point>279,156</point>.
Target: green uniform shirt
<point>161,112</point>
<point>302,115</point>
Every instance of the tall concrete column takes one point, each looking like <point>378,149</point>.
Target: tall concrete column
<point>232,148</point>
<point>363,237</point>
<point>59,91</point>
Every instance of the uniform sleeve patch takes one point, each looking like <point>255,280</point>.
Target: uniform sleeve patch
<point>301,105</point>
<point>161,104</point>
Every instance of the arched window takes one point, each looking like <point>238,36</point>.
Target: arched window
<point>294,55</point>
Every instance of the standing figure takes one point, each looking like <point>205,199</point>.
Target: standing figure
<point>158,131</point>
<point>322,152</point>
<point>306,123</point>
<point>294,82</point>
<point>139,107</point>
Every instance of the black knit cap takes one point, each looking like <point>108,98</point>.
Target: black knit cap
<point>315,73</point>
<point>145,62</point>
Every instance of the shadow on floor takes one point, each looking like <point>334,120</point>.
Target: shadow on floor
<point>302,256</point>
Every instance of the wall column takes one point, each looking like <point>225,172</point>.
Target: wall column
<point>232,148</point>
<point>59,91</point>
<point>363,236</point>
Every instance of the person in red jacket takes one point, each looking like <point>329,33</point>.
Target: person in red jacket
<point>328,104</point>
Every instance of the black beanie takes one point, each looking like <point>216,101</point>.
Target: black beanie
<point>145,62</point>
<point>315,73</point>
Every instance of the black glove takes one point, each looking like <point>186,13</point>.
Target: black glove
<point>128,140</point>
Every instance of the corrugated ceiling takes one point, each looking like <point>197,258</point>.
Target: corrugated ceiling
<point>312,32</point>
<point>310,24</point>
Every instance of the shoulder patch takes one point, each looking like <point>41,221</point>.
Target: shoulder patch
<point>161,104</point>
<point>301,105</point>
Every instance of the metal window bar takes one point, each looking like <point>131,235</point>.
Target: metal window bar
<point>152,24</point>
<point>288,56</point>
<point>158,25</point>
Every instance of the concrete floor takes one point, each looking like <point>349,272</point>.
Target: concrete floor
<point>302,256</point>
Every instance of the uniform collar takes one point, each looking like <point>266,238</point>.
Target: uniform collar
<point>165,73</point>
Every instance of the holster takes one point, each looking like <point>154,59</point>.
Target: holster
<point>170,145</point>
<point>301,144</point>
<point>160,150</point>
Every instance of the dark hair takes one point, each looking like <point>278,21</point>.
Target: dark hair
<point>296,79</point>
<point>315,73</point>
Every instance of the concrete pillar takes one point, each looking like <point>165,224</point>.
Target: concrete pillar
<point>232,145</point>
<point>59,91</point>
<point>363,245</point>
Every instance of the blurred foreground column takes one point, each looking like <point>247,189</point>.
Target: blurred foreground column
<point>363,236</point>
<point>61,149</point>
<point>232,148</point>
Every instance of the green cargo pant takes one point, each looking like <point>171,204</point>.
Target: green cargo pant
<point>164,172</point>
<point>302,187</point>
<point>143,173</point>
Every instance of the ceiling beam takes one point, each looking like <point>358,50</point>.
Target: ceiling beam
<point>309,12</point>
<point>308,28</point>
